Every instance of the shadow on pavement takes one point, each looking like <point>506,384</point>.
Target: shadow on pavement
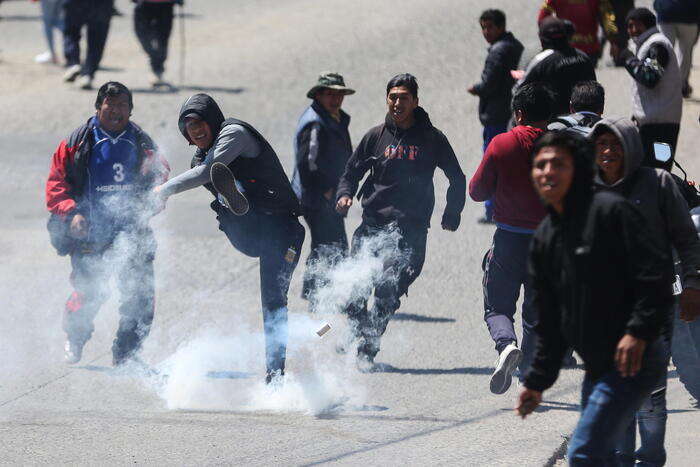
<point>421,318</point>
<point>20,18</point>
<point>386,368</point>
<point>172,89</point>
<point>229,375</point>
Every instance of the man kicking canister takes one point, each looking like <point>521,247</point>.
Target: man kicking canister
<point>255,206</point>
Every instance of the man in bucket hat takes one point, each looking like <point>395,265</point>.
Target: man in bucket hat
<point>322,147</point>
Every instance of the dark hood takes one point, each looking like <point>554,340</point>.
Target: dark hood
<point>204,106</point>
<point>422,121</point>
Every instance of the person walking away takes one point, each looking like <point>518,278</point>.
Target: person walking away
<point>51,18</point>
<point>586,107</point>
<point>503,176</point>
<point>95,15</point>
<point>398,196</point>
<point>322,147</point>
<point>153,22</point>
<point>495,87</point>
<point>559,66</point>
<point>98,195</point>
<point>254,204</point>
<point>657,101</point>
<point>655,193</point>
<point>585,15</point>
<point>601,286</point>
<point>678,21</point>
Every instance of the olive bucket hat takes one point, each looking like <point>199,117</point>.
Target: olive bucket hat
<point>329,80</point>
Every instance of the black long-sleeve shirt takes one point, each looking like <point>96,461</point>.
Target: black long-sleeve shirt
<point>402,165</point>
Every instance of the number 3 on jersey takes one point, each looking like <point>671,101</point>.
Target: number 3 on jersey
<point>118,172</point>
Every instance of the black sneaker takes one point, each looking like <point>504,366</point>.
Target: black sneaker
<point>225,184</point>
<point>274,378</point>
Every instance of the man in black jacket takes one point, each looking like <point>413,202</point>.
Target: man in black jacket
<point>600,286</point>
<point>322,147</point>
<point>495,88</point>
<point>254,203</point>
<point>401,156</point>
<point>559,65</point>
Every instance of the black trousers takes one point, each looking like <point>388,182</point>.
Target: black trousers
<point>399,273</point>
<point>96,15</point>
<point>662,133</point>
<point>329,243</point>
<point>133,269</point>
<point>153,23</point>
<point>277,241</point>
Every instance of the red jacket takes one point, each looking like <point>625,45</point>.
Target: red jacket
<point>585,14</point>
<point>64,185</point>
<point>504,177</point>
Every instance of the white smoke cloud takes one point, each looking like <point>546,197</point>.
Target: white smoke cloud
<point>219,371</point>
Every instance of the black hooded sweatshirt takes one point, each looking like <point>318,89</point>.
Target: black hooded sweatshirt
<point>401,165</point>
<point>596,275</point>
<point>265,183</point>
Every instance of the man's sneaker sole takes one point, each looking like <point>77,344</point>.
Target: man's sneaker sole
<point>225,184</point>
<point>503,376</point>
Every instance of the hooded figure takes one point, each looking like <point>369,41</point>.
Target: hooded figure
<point>559,66</point>
<point>657,196</point>
<point>255,206</point>
<point>600,286</point>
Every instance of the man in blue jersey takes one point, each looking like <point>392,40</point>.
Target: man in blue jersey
<point>98,194</point>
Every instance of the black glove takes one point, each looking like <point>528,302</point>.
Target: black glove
<point>625,55</point>
<point>450,222</point>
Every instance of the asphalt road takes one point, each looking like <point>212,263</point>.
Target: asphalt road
<point>207,405</point>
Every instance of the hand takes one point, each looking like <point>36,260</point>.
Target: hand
<point>528,401</point>
<point>628,356</point>
<point>614,50</point>
<point>329,194</point>
<point>158,200</point>
<point>450,222</point>
<point>343,205</point>
<point>78,226</point>
<point>690,304</point>
<point>517,74</point>
<point>471,90</point>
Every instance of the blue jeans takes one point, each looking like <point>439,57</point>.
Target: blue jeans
<point>489,132</point>
<point>52,17</point>
<point>685,351</point>
<point>608,406</point>
<point>277,241</point>
<point>505,272</point>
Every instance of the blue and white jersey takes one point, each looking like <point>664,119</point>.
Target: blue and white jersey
<point>112,173</point>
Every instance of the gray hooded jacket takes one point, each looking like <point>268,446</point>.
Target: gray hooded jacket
<point>655,193</point>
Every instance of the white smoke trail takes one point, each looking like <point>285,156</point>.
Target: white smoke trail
<point>318,379</point>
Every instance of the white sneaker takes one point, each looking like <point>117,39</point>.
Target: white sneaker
<point>506,364</point>
<point>85,82</point>
<point>73,352</point>
<point>71,73</point>
<point>46,57</point>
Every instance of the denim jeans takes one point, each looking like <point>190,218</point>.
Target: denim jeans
<point>277,241</point>
<point>685,352</point>
<point>651,418</point>
<point>505,272</point>
<point>608,406</point>
<point>52,17</point>
<point>489,132</point>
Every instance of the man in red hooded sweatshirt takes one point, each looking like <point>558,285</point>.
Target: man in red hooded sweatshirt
<point>503,177</point>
